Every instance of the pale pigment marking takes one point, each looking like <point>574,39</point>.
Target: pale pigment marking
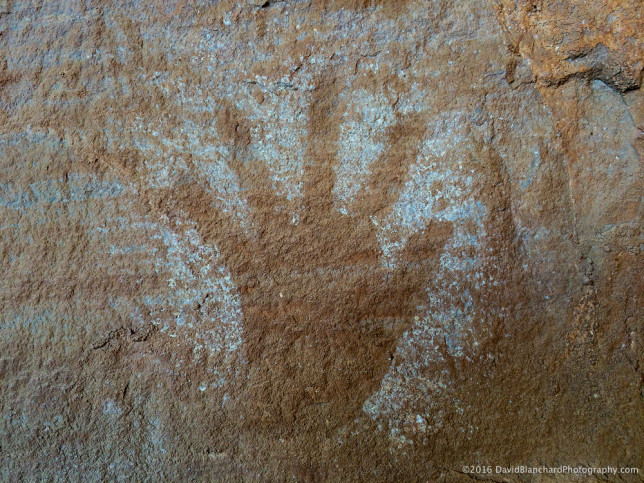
<point>198,277</point>
<point>162,169</point>
<point>278,122</point>
<point>212,167</point>
<point>434,192</point>
<point>428,189</point>
<point>111,408</point>
<point>366,120</point>
<point>406,400</point>
<point>128,250</point>
<point>123,53</point>
<point>204,300</point>
<point>414,100</point>
<point>166,164</point>
<point>201,303</point>
<point>279,128</point>
<point>78,187</point>
<point>195,98</point>
<point>34,322</point>
<point>156,437</point>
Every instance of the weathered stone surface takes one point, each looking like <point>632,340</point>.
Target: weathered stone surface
<point>320,240</point>
<point>576,39</point>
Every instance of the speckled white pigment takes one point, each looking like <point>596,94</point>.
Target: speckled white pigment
<point>279,130</point>
<point>438,189</point>
<point>366,120</point>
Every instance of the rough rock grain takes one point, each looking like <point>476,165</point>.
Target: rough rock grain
<point>334,240</point>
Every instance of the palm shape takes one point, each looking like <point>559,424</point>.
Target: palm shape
<point>300,244</point>
<point>322,308</point>
<point>322,312</point>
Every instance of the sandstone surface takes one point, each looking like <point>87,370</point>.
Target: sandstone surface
<point>320,240</point>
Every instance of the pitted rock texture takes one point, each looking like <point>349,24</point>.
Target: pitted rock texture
<point>335,240</point>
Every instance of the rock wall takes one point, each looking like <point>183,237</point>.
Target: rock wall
<point>321,240</point>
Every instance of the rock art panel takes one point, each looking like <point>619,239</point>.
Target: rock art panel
<point>322,241</point>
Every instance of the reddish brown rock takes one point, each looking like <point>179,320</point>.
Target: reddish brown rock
<point>320,240</point>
